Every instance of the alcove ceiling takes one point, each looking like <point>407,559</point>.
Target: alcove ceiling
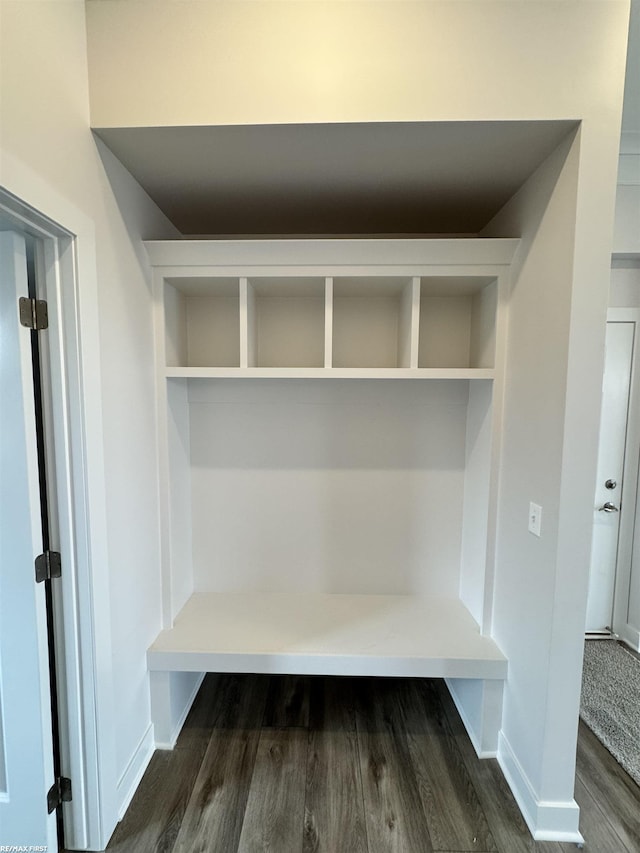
<point>321,179</point>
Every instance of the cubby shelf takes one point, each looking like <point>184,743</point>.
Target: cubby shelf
<point>380,494</point>
<point>319,634</point>
<point>371,322</point>
<point>330,373</point>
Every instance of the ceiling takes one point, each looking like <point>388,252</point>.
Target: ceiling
<point>396,178</point>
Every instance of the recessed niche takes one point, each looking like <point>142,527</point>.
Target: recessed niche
<point>457,322</point>
<point>372,322</point>
<point>202,322</point>
<point>285,322</point>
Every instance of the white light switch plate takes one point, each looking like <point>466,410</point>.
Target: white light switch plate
<point>535,519</point>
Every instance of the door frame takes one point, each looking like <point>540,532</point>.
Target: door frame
<point>25,666</point>
<point>620,618</point>
<point>66,256</point>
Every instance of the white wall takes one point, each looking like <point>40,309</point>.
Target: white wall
<point>536,385</point>
<point>291,511</point>
<point>260,62</point>
<point>555,349</point>
<point>626,238</point>
<point>627,222</point>
<point>624,289</point>
<point>49,159</point>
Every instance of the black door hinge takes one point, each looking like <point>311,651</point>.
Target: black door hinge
<point>48,565</point>
<point>59,793</point>
<point>34,313</point>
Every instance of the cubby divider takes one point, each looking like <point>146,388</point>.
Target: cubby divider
<point>247,320</point>
<point>328,321</point>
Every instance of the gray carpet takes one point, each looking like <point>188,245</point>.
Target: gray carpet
<point>610,703</point>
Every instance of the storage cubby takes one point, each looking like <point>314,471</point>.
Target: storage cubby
<point>285,322</point>
<point>320,516</point>
<point>457,321</point>
<point>372,321</point>
<point>202,322</point>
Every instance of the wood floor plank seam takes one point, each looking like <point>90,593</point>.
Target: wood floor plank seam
<point>274,810</point>
<point>393,808</point>
<point>603,825</point>
<point>594,791</point>
<point>306,794</point>
<point>334,806</point>
<point>359,769</point>
<point>610,787</point>
<point>454,812</point>
<point>491,787</point>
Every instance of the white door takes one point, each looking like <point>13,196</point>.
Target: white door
<point>613,430</point>
<point>26,764</point>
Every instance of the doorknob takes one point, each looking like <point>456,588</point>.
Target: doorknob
<point>608,507</point>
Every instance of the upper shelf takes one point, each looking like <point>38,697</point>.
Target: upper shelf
<point>432,316</point>
<point>329,373</point>
<point>324,253</point>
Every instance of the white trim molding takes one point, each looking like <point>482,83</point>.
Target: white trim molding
<point>85,691</point>
<point>547,820</point>
<point>134,771</point>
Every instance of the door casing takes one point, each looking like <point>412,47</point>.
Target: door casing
<point>627,498</point>
<point>622,625</point>
<point>66,255</point>
<point>25,687</point>
<point>616,387</point>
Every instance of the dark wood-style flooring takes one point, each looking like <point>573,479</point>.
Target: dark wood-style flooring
<point>335,765</point>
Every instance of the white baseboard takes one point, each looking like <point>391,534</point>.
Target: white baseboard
<point>631,637</point>
<point>547,820</point>
<point>130,779</point>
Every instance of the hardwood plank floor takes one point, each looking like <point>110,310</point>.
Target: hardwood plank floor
<point>595,825</point>
<point>396,821</point>
<point>156,814</point>
<point>507,825</point>
<point>288,702</point>
<point>614,791</point>
<point>334,808</point>
<point>456,818</point>
<point>214,817</point>
<point>330,765</point>
<point>274,816</point>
